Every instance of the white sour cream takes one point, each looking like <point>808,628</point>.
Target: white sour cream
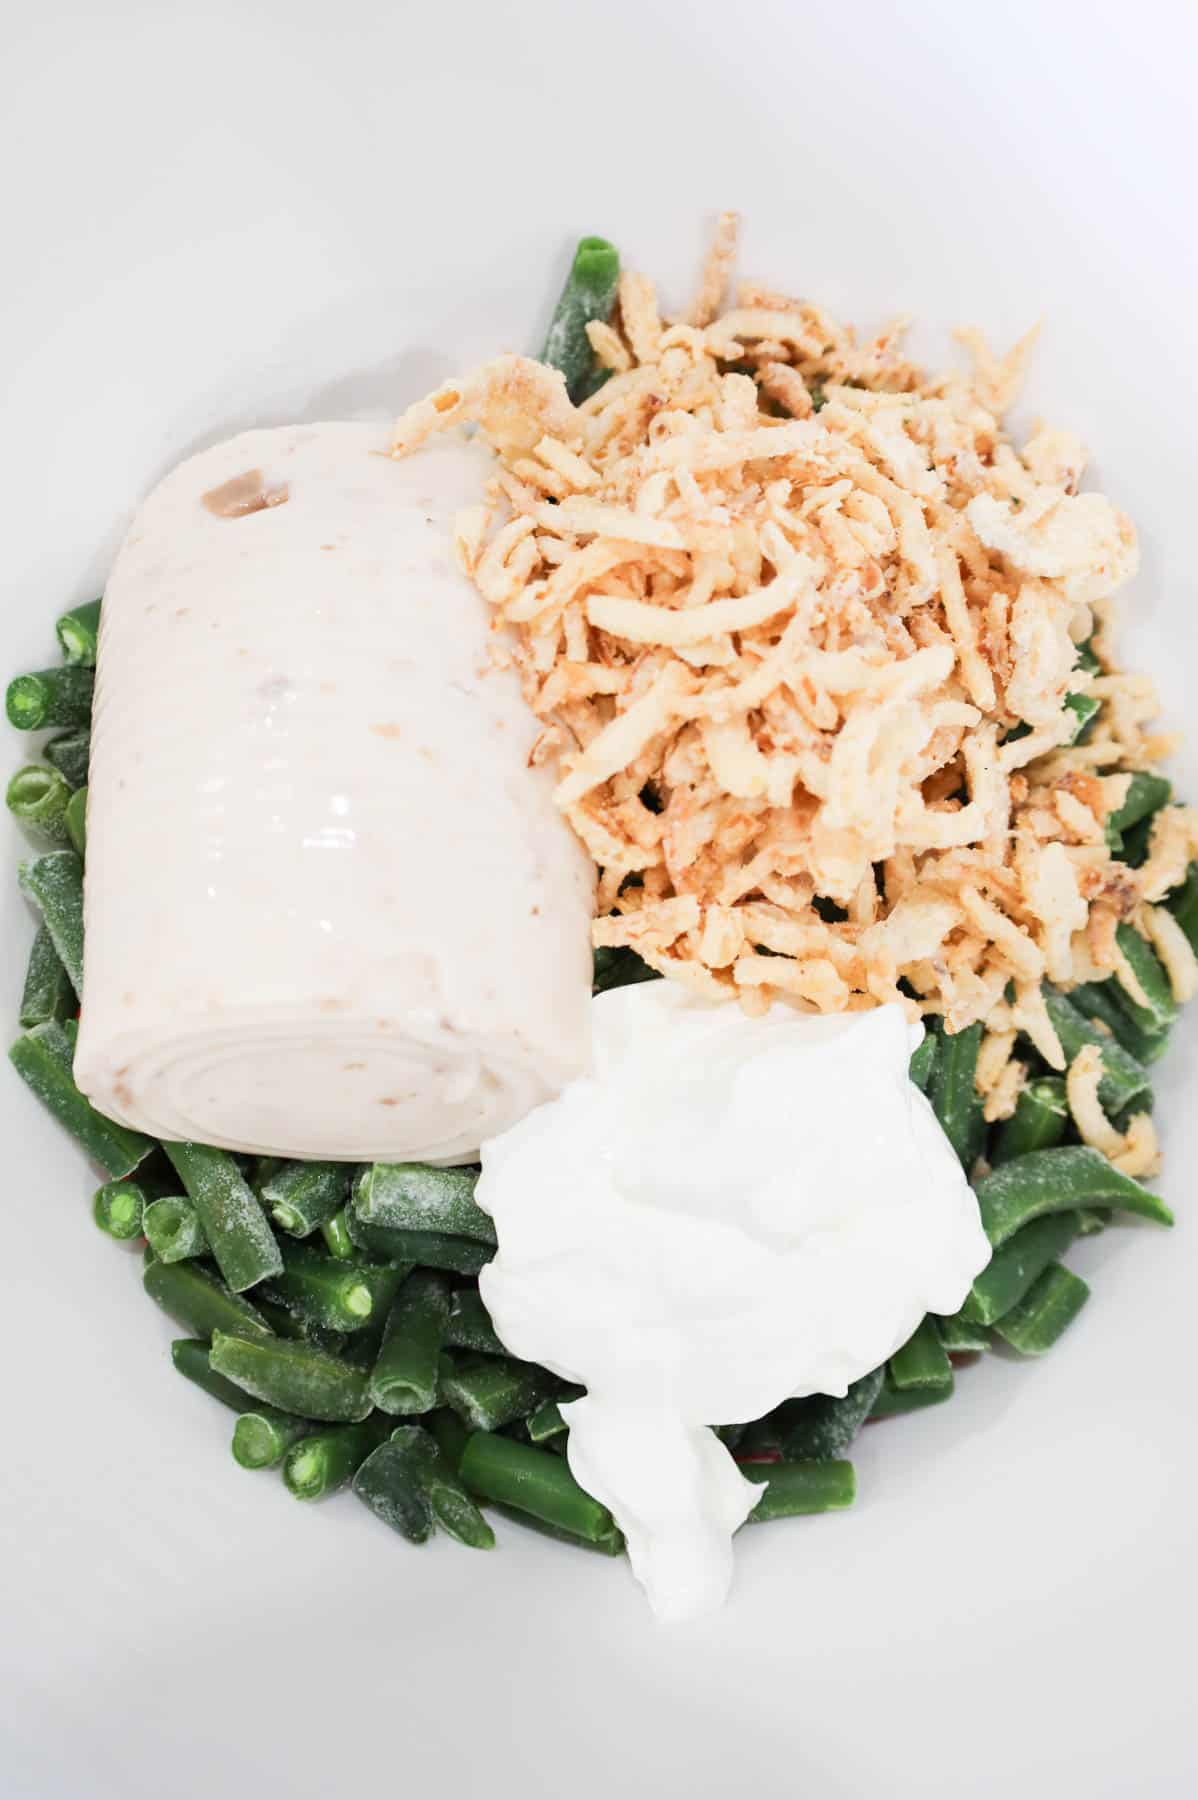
<point>727,1212</point>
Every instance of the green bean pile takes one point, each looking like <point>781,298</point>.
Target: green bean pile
<point>335,1308</point>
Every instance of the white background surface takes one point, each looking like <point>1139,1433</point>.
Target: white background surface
<point>238,213</point>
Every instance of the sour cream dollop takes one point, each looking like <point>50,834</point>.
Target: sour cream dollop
<point>726,1212</point>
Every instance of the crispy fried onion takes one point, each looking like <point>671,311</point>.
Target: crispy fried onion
<point>802,624</point>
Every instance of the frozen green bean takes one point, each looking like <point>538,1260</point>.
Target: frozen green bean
<point>329,1293</point>
<point>54,882</point>
<point>954,1096</point>
<point>1040,1120</point>
<point>1012,1269</point>
<point>326,1460</point>
<point>1103,1001</point>
<point>1157,1011</point>
<point>1124,1079</point>
<point>794,1489</point>
<point>43,1058</point>
<point>922,1067</point>
<point>1183,904</point>
<point>50,698</point>
<point>922,1362</point>
<point>1045,1312</point>
<point>47,993</point>
<point>293,1376</point>
<point>69,754</point>
<point>190,1357</point>
<point>492,1391</point>
<point>469,1326</point>
<point>589,295</point>
<point>173,1230</point>
<point>415,1197</point>
<point>1061,1180</point>
<point>533,1481</point>
<point>452,1507</point>
<point>198,1299</point>
<point>1146,794</point>
<point>38,799</point>
<point>230,1212</point>
<point>427,1249</point>
<point>961,1336</point>
<point>78,632</point>
<point>263,1435</point>
<point>405,1374</point>
<point>76,821</point>
<point>118,1208</point>
<point>893,1400</point>
<point>300,1196</point>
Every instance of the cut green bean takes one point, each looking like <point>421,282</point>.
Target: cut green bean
<point>54,883</point>
<point>50,698</point>
<point>589,294</point>
<point>415,1197</point>
<point>1103,1001</point>
<point>38,799</point>
<point>1085,709</point>
<point>1040,1120</point>
<point>817,1428</point>
<point>43,1059</point>
<point>469,1326</point>
<point>892,1400</point>
<point>47,993</point>
<point>1061,1180</point>
<point>230,1212</point>
<point>300,1196</point>
<point>70,754</point>
<point>1146,794</point>
<point>335,1233</point>
<point>545,1423</point>
<point>954,1095</point>
<point>1012,1269</point>
<point>78,631</point>
<point>618,967</point>
<point>452,1507</point>
<point>1160,1012</point>
<point>450,1434</point>
<point>963,1337</point>
<point>794,1489</point>
<point>263,1435</point>
<point>1183,904</point>
<point>1045,1312</point>
<point>327,1460</point>
<point>491,1391</point>
<point>922,1362</point>
<point>388,1482</point>
<point>295,1377</point>
<point>329,1293</point>
<point>191,1294</point>
<point>1124,1079</point>
<point>286,1324</point>
<point>427,1249</point>
<point>533,1481</point>
<point>405,1375</point>
<point>76,820</point>
<point>190,1357</point>
<point>608,1543</point>
<point>173,1230</point>
<point>118,1209</point>
<point>922,1067</point>
<point>1131,846</point>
